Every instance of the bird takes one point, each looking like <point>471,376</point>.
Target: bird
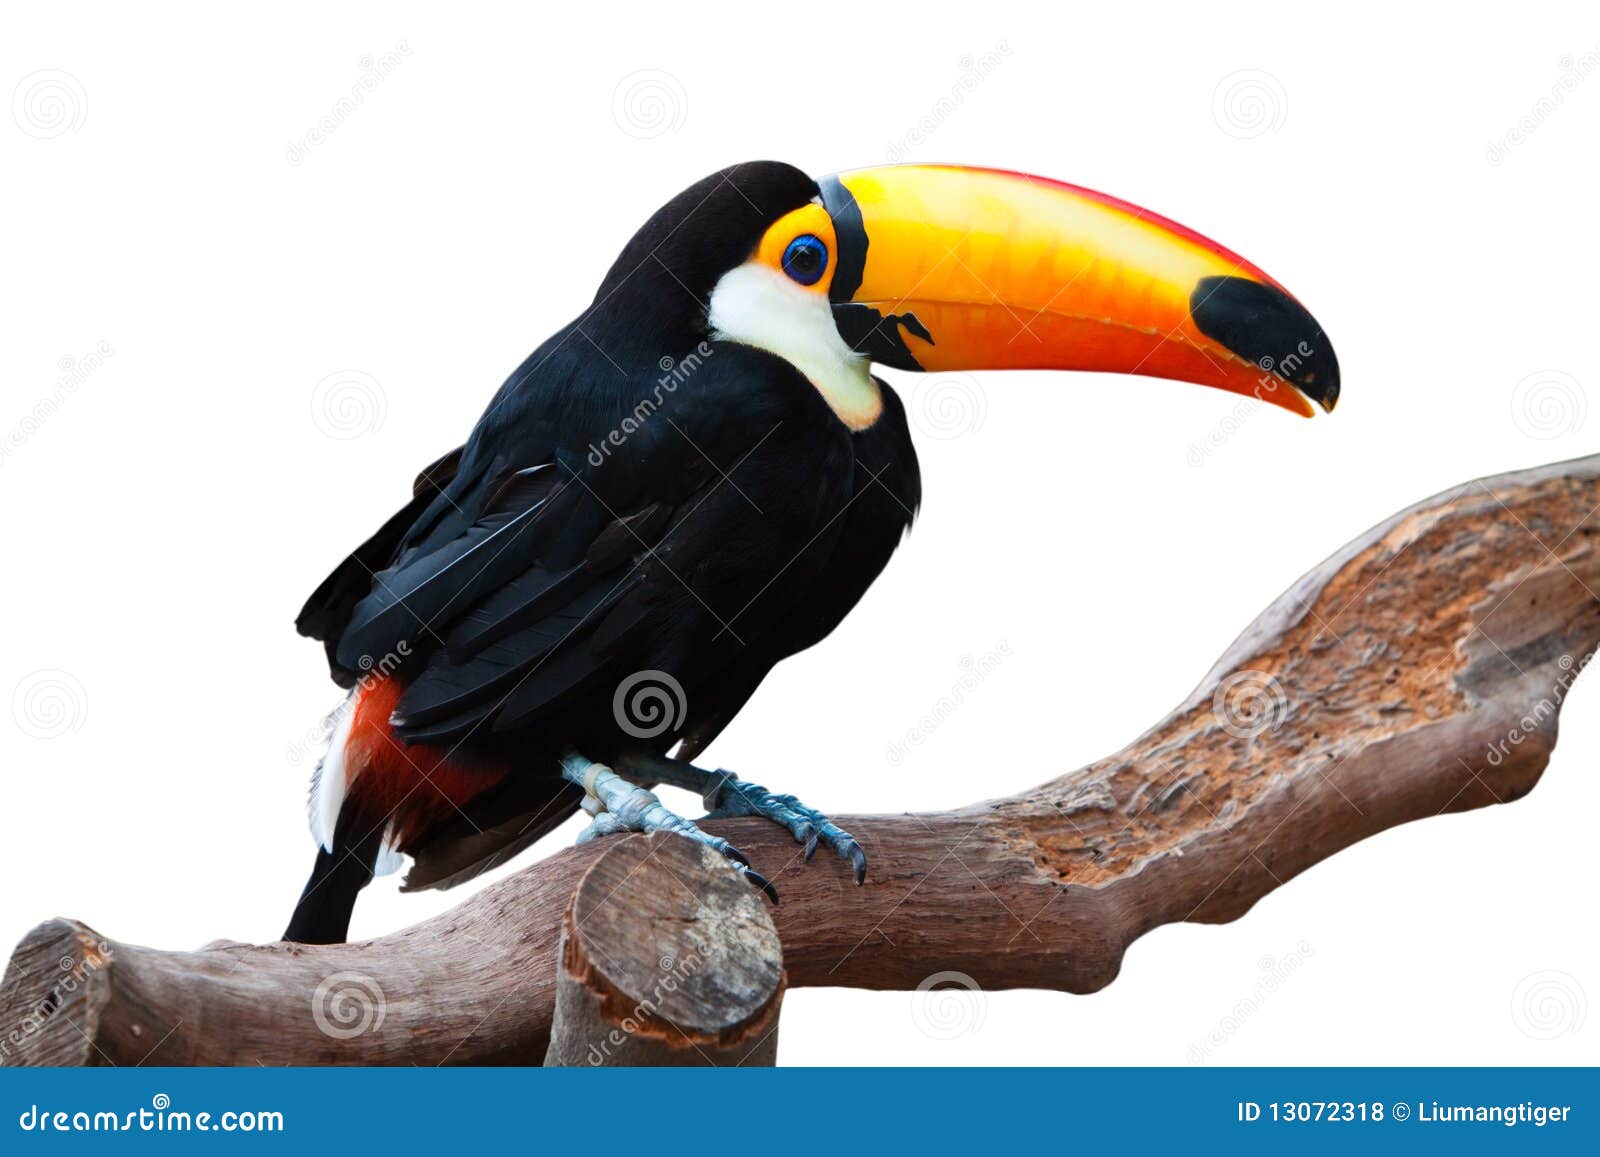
<point>699,476</point>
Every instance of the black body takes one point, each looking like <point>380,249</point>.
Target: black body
<point>637,497</point>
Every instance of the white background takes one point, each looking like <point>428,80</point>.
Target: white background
<point>166,513</point>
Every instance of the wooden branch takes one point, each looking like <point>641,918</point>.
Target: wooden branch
<point>668,957</point>
<point>1419,670</point>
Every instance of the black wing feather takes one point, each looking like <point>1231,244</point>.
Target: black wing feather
<point>447,688</point>
<point>326,612</point>
<point>425,588</point>
<point>523,601</point>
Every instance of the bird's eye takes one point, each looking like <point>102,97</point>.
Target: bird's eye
<point>806,259</point>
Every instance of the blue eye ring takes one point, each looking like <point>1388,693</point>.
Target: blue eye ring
<point>806,259</point>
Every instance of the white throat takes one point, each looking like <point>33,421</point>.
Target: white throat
<point>758,306</point>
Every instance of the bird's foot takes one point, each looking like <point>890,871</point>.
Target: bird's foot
<point>729,796</point>
<point>620,806</point>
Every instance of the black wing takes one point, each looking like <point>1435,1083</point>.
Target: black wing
<point>522,589</point>
<point>328,609</point>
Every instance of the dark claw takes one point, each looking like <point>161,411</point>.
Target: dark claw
<point>812,838</point>
<point>743,863</point>
<point>762,882</point>
<point>858,859</point>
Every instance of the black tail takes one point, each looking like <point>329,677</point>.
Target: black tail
<point>323,914</point>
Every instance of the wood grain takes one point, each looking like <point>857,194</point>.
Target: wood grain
<point>668,957</point>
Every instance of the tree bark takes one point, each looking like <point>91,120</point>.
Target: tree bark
<point>1419,670</point>
<point>668,957</point>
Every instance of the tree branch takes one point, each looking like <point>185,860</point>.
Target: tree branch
<point>1420,670</point>
<point>668,957</point>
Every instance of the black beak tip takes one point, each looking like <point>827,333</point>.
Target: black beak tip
<point>1263,324</point>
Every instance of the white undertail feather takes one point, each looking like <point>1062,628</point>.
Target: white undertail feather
<point>390,859</point>
<point>757,305</point>
<point>329,784</point>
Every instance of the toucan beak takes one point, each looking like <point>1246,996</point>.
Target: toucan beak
<point>942,267</point>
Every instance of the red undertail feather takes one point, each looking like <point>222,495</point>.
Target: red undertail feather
<point>418,786</point>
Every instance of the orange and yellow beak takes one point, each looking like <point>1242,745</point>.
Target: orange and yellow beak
<point>941,267</point>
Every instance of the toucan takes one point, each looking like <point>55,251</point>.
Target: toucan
<point>699,476</point>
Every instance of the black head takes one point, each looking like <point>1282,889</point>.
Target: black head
<point>664,276</point>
